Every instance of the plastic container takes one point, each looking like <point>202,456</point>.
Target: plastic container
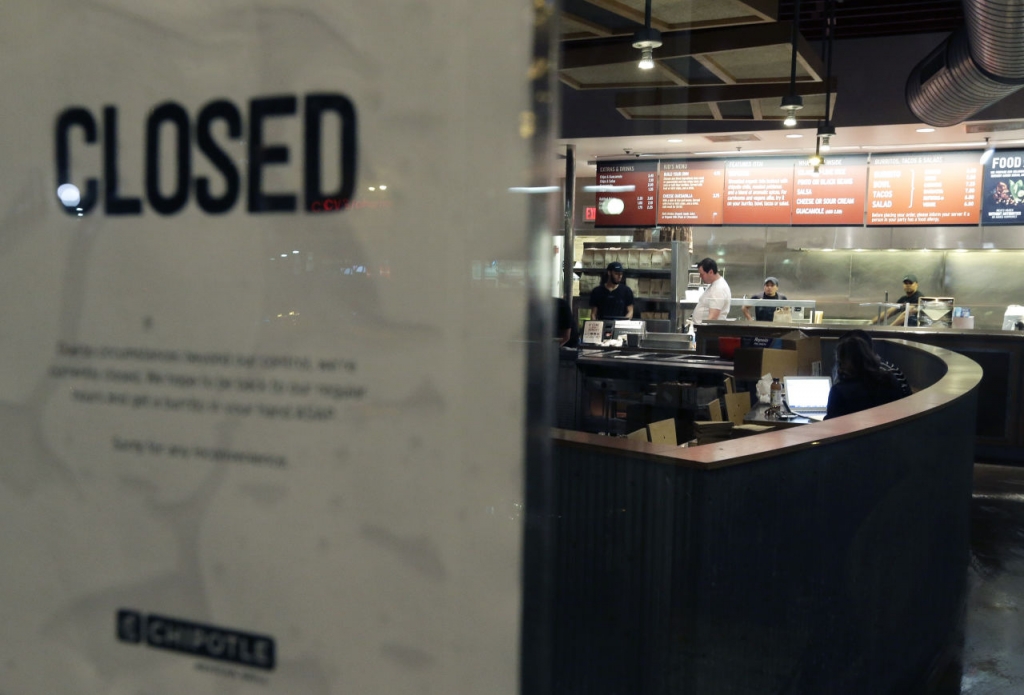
<point>727,347</point>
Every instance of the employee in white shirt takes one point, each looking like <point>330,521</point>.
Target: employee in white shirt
<point>715,302</point>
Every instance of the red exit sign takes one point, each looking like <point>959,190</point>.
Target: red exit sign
<point>590,214</point>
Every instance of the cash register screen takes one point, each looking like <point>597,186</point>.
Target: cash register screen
<point>623,327</point>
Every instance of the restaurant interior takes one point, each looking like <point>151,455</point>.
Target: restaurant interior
<point>871,79</point>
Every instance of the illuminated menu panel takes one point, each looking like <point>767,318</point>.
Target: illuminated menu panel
<point>923,189</point>
<point>833,195</point>
<point>629,193</point>
<point>758,191</point>
<point>691,192</point>
<point>1002,197</point>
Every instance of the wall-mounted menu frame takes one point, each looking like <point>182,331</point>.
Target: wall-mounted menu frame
<point>627,193</point>
<point>1002,194</point>
<point>832,195</point>
<point>933,188</point>
<point>887,189</point>
<point>691,192</point>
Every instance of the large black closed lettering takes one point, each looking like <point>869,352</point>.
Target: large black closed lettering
<point>316,106</point>
<point>259,109</point>
<point>220,109</point>
<point>75,116</point>
<point>114,204</point>
<point>173,114</point>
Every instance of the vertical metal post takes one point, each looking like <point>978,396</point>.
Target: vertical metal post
<point>569,223</point>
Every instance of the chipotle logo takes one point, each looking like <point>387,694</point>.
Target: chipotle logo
<point>196,639</point>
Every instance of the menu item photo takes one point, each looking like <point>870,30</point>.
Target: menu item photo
<point>1003,196</point>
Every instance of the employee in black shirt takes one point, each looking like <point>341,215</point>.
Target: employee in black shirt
<point>612,299</point>
<point>771,291</point>
<point>565,325</point>
<point>910,297</point>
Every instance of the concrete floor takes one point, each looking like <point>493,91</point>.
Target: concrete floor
<point>993,655</point>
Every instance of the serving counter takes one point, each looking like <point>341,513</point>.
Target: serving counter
<point>999,423</point>
<point>827,558</point>
<point>610,390</point>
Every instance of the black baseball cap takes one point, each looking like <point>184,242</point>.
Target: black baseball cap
<point>614,265</point>
<point>909,277</point>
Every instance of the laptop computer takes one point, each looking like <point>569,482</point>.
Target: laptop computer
<point>807,396</point>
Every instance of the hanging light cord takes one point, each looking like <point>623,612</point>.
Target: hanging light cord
<point>830,28</point>
<point>792,64</point>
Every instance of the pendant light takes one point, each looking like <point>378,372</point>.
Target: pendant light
<point>792,102</point>
<point>647,39</point>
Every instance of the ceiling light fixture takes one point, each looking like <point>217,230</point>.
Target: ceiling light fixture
<point>926,130</point>
<point>792,102</point>
<point>987,154</point>
<point>825,134</point>
<point>647,40</point>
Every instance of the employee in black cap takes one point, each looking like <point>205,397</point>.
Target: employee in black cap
<point>910,298</point>
<point>612,299</point>
<point>771,291</point>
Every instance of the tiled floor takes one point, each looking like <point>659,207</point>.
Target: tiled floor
<point>993,657</point>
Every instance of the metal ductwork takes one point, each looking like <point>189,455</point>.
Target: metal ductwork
<point>972,69</point>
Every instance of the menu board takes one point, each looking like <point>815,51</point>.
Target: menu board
<point>758,191</point>
<point>832,195</point>
<point>630,193</point>
<point>1002,200</point>
<point>691,192</point>
<point>923,189</point>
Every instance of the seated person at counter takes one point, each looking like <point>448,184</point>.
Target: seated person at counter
<point>910,298</point>
<point>717,298</point>
<point>901,378</point>
<point>862,382</point>
<point>566,332</point>
<point>612,299</point>
<point>771,291</point>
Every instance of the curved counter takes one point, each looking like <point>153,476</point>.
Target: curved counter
<point>825,558</point>
<point>999,426</point>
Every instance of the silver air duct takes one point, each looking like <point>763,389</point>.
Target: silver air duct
<point>972,69</point>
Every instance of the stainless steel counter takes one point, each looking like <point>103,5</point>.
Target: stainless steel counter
<point>625,359</point>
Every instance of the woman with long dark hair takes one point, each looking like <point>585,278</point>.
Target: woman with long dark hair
<point>862,383</point>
